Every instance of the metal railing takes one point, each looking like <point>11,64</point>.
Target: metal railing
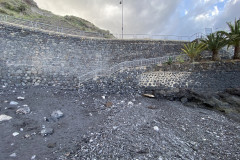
<point>162,37</point>
<point>126,65</point>
<point>47,27</point>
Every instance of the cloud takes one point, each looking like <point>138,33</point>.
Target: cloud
<point>175,17</point>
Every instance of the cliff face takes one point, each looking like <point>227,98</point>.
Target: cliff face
<point>28,9</point>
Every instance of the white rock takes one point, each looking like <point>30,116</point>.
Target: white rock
<point>13,103</point>
<point>20,98</point>
<point>57,114</point>
<point>149,95</point>
<point>115,127</point>
<point>103,97</point>
<point>21,129</point>
<point>15,134</point>
<point>33,157</point>
<point>130,103</point>
<point>4,117</point>
<point>13,155</point>
<point>156,128</point>
<point>46,131</point>
<point>24,110</point>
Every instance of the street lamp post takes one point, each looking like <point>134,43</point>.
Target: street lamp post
<point>121,2</point>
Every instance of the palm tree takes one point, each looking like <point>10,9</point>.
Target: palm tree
<point>214,42</point>
<point>192,50</point>
<point>233,37</point>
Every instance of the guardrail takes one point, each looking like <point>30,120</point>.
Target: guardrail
<point>47,27</point>
<point>162,37</point>
<point>127,64</point>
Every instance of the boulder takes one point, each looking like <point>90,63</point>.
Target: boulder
<point>233,91</point>
<point>47,131</point>
<point>23,110</point>
<point>4,117</point>
<point>57,114</point>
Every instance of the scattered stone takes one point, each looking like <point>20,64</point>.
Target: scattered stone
<point>13,155</point>
<point>91,140</point>
<point>27,136</point>
<point>115,127</point>
<point>13,103</point>
<point>109,104</point>
<point>24,110</point>
<point>57,114</point>
<point>4,117</point>
<point>149,95</point>
<point>21,129</point>
<point>33,157</point>
<point>130,103</point>
<point>103,97</point>
<point>15,134</point>
<point>156,128</point>
<point>52,145</point>
<point>46,119</point>
<point>20,98</point>
<point>47,131</point>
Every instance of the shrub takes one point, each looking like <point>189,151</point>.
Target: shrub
<point>180,59</point>
<point>193,50</point>
<point>170,61</point>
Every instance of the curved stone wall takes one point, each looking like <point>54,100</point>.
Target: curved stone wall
<point>30,57</point>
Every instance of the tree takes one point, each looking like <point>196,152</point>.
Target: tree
<point>233,37</point>
<point>193,50</point>
<point>214,42</point>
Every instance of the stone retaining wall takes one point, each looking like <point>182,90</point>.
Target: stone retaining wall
<point>30,57</point>
<point>227,65</point>
<point>203,76</point>
<point>201,81</point>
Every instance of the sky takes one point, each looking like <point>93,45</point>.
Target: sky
<point>154,17</point>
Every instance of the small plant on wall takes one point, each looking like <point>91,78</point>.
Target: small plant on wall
<point>193,50</point>
<point>169,61</point>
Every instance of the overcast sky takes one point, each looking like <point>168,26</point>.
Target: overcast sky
<point>160,17</point>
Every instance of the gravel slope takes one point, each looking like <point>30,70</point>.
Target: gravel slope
<point>134,127</point>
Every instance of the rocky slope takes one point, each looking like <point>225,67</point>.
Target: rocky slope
<point>28,9</point>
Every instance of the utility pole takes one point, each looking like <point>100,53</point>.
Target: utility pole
<point>121,2</point>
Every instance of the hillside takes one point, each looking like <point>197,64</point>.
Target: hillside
<point>28,9</point>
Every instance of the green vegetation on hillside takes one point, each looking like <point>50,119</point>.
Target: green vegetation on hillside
<point>28,9</point>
